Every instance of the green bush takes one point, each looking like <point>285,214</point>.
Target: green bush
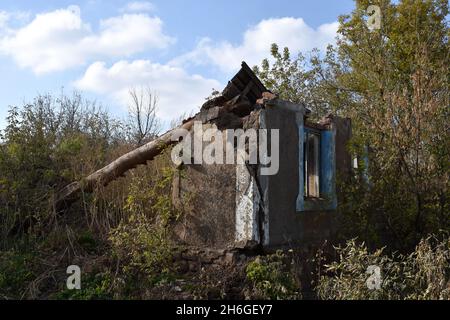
<point>142,241</point>
<point>15,274</point>
<point>141,246</point>
<point>272,278</point>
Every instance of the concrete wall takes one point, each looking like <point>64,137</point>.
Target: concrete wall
<point>287,225</point>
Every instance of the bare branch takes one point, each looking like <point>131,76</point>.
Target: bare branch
<point>143,123</point>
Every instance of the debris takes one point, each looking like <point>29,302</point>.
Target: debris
<point>266,96</point>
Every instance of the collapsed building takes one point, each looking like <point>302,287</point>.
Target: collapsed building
<point>237,205</point>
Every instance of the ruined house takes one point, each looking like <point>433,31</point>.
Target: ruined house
<point>235,205</point>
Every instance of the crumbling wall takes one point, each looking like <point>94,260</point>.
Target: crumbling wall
<point>208,206</point>
<point>220,202</point>
<point>247,207</point>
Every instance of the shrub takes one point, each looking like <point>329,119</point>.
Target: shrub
<point>424,274</point>
<point>142,241</point>
<point>141,246</point>
<point>272,278</point>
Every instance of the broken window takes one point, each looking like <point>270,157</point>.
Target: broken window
<point>311,163</point>
<point>317,168</point>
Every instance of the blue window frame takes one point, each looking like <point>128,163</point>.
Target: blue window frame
<point>317,170</point>
<point>311,163</point>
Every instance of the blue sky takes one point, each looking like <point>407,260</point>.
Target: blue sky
<point>181,49</point>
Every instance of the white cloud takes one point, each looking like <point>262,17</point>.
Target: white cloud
<point>139,6</point>
<point>60,39</point>
<point>291,32</point>
<point>178,91</point>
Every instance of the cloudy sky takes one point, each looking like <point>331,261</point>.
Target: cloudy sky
<point>181,49</point>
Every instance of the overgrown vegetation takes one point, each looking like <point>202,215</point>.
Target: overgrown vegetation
<point>272,277</point>
<point>393,83</point>
<point>15,273</point>
<point>118,235</point>
<point>95,287</point>
<point>142,240</point>
<point>422,274</point>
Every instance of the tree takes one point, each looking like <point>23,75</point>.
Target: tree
<point>142,121</point>
<point>293,79</point>
<point>47,143</point>
<point>399,78</point>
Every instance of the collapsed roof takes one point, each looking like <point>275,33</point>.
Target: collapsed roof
<point>229,109</point>
<point>245,82</point>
